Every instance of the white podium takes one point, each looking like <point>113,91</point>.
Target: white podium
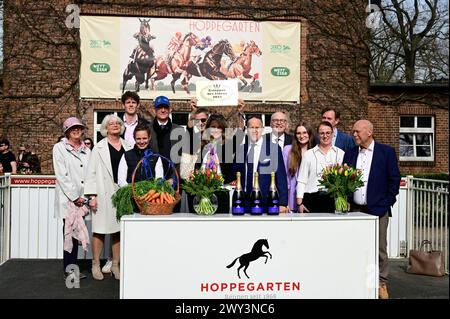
<point>185,256</point>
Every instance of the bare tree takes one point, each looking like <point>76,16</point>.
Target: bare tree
<point>411,43</point>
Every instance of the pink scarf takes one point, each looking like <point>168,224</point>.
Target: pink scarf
<point>75,227</point>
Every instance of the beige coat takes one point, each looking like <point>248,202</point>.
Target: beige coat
<point>100,181</point>
<point>70,170</point>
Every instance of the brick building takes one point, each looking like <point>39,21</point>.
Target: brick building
<point>42,59</point>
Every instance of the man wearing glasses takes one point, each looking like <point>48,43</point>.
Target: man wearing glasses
<point>196,126</point>
<point>279,124</point>
<point>7,158</point>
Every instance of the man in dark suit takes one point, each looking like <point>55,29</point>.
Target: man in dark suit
<point>280,124</point>
<point>265,157</point>
<point>167,138</point>
<point>340,139</point>
<point>381,177</point>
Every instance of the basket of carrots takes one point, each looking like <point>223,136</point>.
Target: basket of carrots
<point>155,196</point>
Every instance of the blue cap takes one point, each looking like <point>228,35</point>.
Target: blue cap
<point>161,100</point>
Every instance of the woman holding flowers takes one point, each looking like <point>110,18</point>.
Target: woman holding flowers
<point>310,196</point>
<point>215,157</point>
<point>292,155</point>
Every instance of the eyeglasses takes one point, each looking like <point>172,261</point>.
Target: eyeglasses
<point>200,120</point>
<point>325,133</point>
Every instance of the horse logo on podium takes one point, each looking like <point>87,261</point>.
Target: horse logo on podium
<point>256,252</point>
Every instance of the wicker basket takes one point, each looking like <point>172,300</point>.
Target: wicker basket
<point>147,208</point>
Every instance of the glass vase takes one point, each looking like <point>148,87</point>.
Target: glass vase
<point>340,204</point>
<point>205,205</point>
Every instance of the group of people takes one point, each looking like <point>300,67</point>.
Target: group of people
<point>92,176</point>
<point>27,162</point>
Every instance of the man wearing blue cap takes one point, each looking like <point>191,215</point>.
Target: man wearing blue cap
<point>165,134</point>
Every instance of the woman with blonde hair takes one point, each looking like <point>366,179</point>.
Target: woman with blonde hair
<point>292,154</point>
<point>101,183</point>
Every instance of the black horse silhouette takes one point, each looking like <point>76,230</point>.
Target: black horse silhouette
<point>210,66</point>
<point>256,252</point>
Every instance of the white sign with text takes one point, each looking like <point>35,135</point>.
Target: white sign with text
<point>217,93</point>
<point>185,256</point>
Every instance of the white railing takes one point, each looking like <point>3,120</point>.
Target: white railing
<point>28,228</point>
<point>427,214</point>
<point>5,213</point>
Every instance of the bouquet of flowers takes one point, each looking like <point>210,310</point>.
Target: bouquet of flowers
<point>203,183</point>
<point>341,181</point>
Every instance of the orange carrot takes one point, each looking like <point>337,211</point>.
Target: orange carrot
<point>169,198</point>
<point>155,195</point>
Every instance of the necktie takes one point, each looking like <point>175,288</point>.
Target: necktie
<point>278,141</point>
<point>249,178</point>
<point>162,126</point>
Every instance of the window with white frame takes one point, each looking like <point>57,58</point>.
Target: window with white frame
<point>416,138</point>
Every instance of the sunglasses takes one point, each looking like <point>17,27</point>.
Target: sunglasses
<point>200,120</point>
<point>87,143</point>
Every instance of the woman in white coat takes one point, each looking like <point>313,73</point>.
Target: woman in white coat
<point>70,159</point>
<point>101,183</point>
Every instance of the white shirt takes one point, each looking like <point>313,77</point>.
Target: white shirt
<point>163,123</point>
<point>333,141</point>
<point>313,163</point>
<point>278,139</point>
<point>257,152</point>
<point>123,171</point>
<point>129,130</point>
<point>364,162</point>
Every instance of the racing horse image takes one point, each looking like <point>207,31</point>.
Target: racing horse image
<point>240,68</point>
<point>177,64</point>
<point>210,66</point>
<point>255,253</point>
<point>142,58</point>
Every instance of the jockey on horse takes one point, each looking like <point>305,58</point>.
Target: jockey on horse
<point>143,37</point>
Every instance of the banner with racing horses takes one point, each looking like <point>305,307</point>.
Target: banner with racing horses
<point>157,56</point>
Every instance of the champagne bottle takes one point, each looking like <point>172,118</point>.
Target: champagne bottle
<point>273,200</point>
<point>238,202</point>
<point>256,197</point>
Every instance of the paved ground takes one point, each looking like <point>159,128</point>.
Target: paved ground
<point>30,279</point>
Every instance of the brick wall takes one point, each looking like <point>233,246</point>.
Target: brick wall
<point>386,107</point>
<point>42,60</point>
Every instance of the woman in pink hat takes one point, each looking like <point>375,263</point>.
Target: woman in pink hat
<point>70,159</point>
